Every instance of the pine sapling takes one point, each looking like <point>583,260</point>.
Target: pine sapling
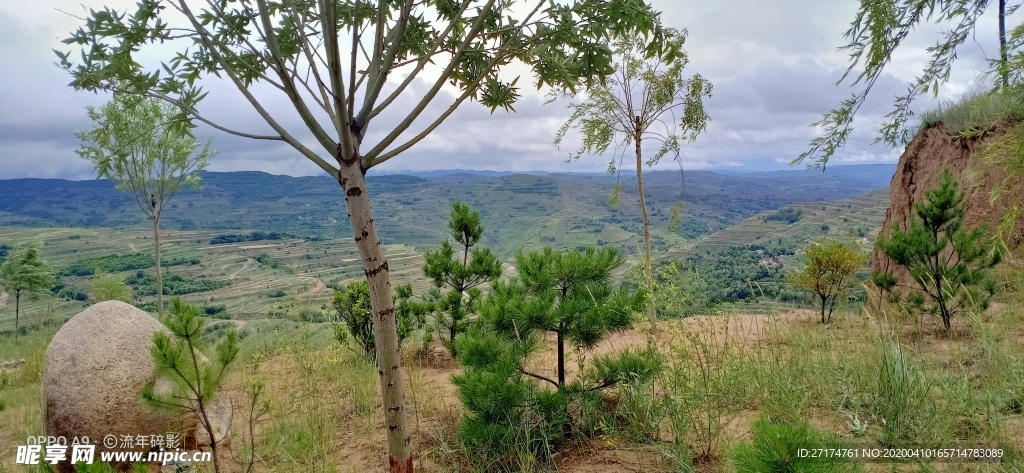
<point>179,358</point>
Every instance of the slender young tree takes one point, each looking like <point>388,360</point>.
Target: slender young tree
<point>141,145</point>
<point>878,29</point>
<point>461,274</point>
<point>1004,55</point>
<point>24,273</point>
<point>646,100</point>
<point>332,61</point>
<point>179,357</point>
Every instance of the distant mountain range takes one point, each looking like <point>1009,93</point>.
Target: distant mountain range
<point>519,209</point>
<point>868,172</point>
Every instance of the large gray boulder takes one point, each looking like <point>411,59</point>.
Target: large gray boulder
<point>95,369</point>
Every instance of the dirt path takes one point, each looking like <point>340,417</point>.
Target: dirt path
<point>245,266</point>
<point>3,298</point>
<point>319,287</point>
<point>132,246</point>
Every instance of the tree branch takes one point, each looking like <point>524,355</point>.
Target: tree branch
<point>327,7</point>
<point>277,63</point>
<point>537,376</point>
<point>405,123</point>
<point>204,37</point>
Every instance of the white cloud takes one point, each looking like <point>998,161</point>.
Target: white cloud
<point>773,65</point>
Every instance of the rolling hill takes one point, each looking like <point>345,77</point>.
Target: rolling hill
<point>519,210</point>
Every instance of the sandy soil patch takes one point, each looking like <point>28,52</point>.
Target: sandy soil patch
<point>256,247</point>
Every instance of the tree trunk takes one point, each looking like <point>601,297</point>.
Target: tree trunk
<point>353,183</point>
<point>823,300</point>
<point>1003,70</point>
<point>832,307</point>
<point>561,360</point>
<point>941,300</point>
<point>17,313</point>
<point>452,332</point>
<point>648,269</point>
<point>159,270</point>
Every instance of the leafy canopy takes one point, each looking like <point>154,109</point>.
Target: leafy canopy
<point>24,272</point>
<point>332,60</point>
<point>829,265</point>
<point>650,97</point>
<point>138,143</point>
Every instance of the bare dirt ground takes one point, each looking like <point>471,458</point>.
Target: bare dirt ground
<point>133,248</point>
<point>3,298</point>
<point>257,247</point>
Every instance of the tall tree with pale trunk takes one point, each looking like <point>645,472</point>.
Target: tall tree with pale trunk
<point>331,61</point>
<point>145,147</point>
<point>647,100</point>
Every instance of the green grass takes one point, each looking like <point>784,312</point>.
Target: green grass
<point>976,111</point>
<point>777,448</point>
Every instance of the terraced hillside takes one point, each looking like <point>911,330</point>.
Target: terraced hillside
<point>855,219</point>
<point>289,275</point>
<point>295,274</point>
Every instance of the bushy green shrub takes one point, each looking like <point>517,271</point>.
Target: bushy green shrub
<point>788,215</point>
<point>354,321</point>
<point>312,316</point>
<point>216,312</point>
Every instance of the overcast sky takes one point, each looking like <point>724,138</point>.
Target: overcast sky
<point>773,66</point>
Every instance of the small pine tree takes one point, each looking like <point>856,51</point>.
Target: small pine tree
<point>179,357</point>
<point>571,296</point>
<point>948,261</point>
<point>355,322</point>
<point>829,265</point>
<point>459,276</point>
